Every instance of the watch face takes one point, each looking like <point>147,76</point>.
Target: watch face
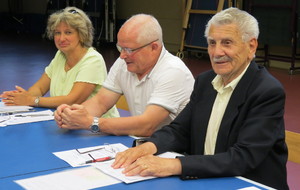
<point>95,128</point>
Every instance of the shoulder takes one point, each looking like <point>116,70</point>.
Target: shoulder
<point>92,59</point>
<point>259,77</point>
<point>93,53</point>
<point>205,78</point>
<point>171,66</point>
<point>258,85</point>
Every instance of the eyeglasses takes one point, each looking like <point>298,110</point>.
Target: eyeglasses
<point>107,148</point>
<point>129,50</point>
<point>73,11</point>
<point>99,154</point>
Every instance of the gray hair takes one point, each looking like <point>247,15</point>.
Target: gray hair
<point>148,27</point>
<point>246,23</point>
<point>76,19</point>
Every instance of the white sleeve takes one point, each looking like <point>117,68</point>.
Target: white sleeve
<point>112,81</point>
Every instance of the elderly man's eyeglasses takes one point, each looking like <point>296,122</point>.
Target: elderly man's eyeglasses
<point>129,50</point>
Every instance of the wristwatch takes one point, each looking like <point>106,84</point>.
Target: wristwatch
<point>37,101</point>
<point>95,125</point>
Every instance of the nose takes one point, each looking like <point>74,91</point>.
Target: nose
<point>123,54</point>
<point>218,50</point>
<point>61,37</point>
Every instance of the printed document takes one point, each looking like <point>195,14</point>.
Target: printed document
<point>79,157</point>
<point>75,179</point>
<point>25,117</point>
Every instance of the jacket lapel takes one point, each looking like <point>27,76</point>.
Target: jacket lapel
<point>236,101</point>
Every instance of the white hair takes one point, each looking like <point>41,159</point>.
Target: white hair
<point>246,23</point>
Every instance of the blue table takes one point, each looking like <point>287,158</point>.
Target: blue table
<point>26,150</point>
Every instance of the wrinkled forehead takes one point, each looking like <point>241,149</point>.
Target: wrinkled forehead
<point>224,31</point>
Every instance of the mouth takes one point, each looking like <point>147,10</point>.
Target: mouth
<point>220,62</point>
<point>63,45</point>
<point>128,62</point>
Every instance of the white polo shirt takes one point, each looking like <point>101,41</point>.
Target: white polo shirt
<point>169,85</point>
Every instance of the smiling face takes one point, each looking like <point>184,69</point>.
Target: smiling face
<point>229,54</point>
<point>66,38</point>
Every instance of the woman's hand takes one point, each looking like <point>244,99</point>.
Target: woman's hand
<point>17,97</point>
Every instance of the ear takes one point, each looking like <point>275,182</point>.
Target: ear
<point>154,46</point>
<point>253,44</point>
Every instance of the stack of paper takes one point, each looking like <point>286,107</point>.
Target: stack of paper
<point>76,157</point>
<point>86,177</point>
<point>26,117</point>
<point>14,109</point>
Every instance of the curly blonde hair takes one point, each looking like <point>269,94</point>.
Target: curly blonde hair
<point>76,19</point>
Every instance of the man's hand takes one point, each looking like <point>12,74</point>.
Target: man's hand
<point>73,117</point>
<point>151,165</point>
<point>57,114</point>
<point>124,159</point>
<point>141,161</point>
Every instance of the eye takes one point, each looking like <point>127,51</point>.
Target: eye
<point>128,50</point>
<point>211,42</point>
<point>56,33</point>
<point>227,42</point>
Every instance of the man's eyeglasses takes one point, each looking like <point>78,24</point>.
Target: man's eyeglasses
<point>129,50</point>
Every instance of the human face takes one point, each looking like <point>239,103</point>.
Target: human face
<point>229,54</point>
<point>66,38</point>
<point>140,61</point>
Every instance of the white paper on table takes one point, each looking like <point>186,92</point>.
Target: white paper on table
<point>75,159</point>
<point>250,188</point>
<point>13,109</point>
<point>28,117</point>
<point>75,179</point>
<point>117,173</point>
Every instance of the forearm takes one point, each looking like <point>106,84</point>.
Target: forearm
<point>134,125</point>
<point>94,107</point>
<point>101,102</point>
<point>53,102</point>
<point>34,91</point>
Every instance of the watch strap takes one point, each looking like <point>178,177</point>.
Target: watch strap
<point>95,128</point>
<point>37,101</point>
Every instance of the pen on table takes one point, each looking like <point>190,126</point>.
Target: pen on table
<point>98,160</point>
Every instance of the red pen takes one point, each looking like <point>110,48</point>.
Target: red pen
<point>99,160</point>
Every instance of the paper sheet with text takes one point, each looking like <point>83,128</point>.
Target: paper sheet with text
<point>26,117</point>
<point>75,158</point>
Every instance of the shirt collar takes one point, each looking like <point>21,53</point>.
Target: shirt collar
<point>217,82</point>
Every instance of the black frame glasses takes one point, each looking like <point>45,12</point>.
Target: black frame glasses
<point>129,50</point>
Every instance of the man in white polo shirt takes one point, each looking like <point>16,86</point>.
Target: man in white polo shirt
<point>156,84</point>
